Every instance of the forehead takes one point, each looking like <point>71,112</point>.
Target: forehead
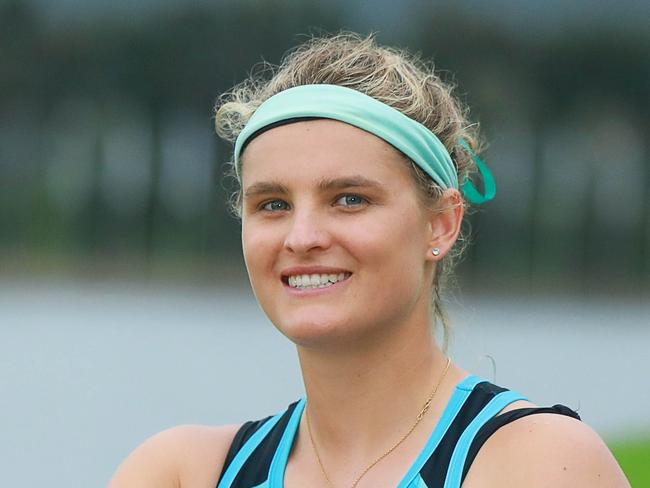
<point>313,148</point>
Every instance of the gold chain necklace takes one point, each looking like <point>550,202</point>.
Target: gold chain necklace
<point>420,416</point>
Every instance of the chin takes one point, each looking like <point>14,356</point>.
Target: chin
<point>310,332</point>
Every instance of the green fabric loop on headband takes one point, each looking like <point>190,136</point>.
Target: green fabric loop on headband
<point>489,185</point>
<point>336,102</point>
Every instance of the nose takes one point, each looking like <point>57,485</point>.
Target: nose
<point>306,233</point>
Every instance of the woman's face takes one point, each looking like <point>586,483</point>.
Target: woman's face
<point>325,198</point>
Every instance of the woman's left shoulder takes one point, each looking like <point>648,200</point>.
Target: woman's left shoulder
<point>544,450</point>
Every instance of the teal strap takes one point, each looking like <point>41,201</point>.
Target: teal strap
<point>456,402</point>
<point>281,456</point>
<point>246,450</point>
<point>489,186</point>
<point>418,482</point>
<point>457,462</point>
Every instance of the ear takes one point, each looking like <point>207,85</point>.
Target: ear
<point>444,222</point>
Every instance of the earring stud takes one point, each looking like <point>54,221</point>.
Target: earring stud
<point>435,251</point>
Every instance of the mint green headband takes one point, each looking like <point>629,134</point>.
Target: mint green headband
<point>355,108</point>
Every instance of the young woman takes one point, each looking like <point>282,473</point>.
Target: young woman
<point>353,162</point>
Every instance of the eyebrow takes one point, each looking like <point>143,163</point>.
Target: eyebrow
<point>264,187</point>
<point>325,184</point>
<point>347,182</point>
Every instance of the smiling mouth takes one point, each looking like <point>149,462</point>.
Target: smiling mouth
<point>314,281</point>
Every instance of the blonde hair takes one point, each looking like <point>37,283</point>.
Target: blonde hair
<point>392,76</point>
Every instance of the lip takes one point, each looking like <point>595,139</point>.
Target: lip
<point>308,270</point>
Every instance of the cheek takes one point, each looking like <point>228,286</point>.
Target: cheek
<point>395,252</point>
<point>394,239</point>
<point>257,247</point>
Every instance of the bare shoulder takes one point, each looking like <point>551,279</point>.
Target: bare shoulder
<point>545,450</point>
<point>188,455</point>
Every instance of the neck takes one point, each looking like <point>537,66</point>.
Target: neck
<point>364,397</point>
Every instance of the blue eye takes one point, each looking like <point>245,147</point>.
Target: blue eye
<point>275,205</point>
<point>351,200</point>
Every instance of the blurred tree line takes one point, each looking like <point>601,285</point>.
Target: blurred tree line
<point>107,152</point>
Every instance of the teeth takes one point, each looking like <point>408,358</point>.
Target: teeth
<point>316,280</point>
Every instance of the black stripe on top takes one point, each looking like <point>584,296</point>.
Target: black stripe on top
<point>434,470</point>
<point>256,468</point>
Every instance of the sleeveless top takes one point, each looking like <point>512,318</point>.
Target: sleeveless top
<point>258,454</point>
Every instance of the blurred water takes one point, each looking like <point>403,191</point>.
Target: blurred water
<point>88,371</point>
